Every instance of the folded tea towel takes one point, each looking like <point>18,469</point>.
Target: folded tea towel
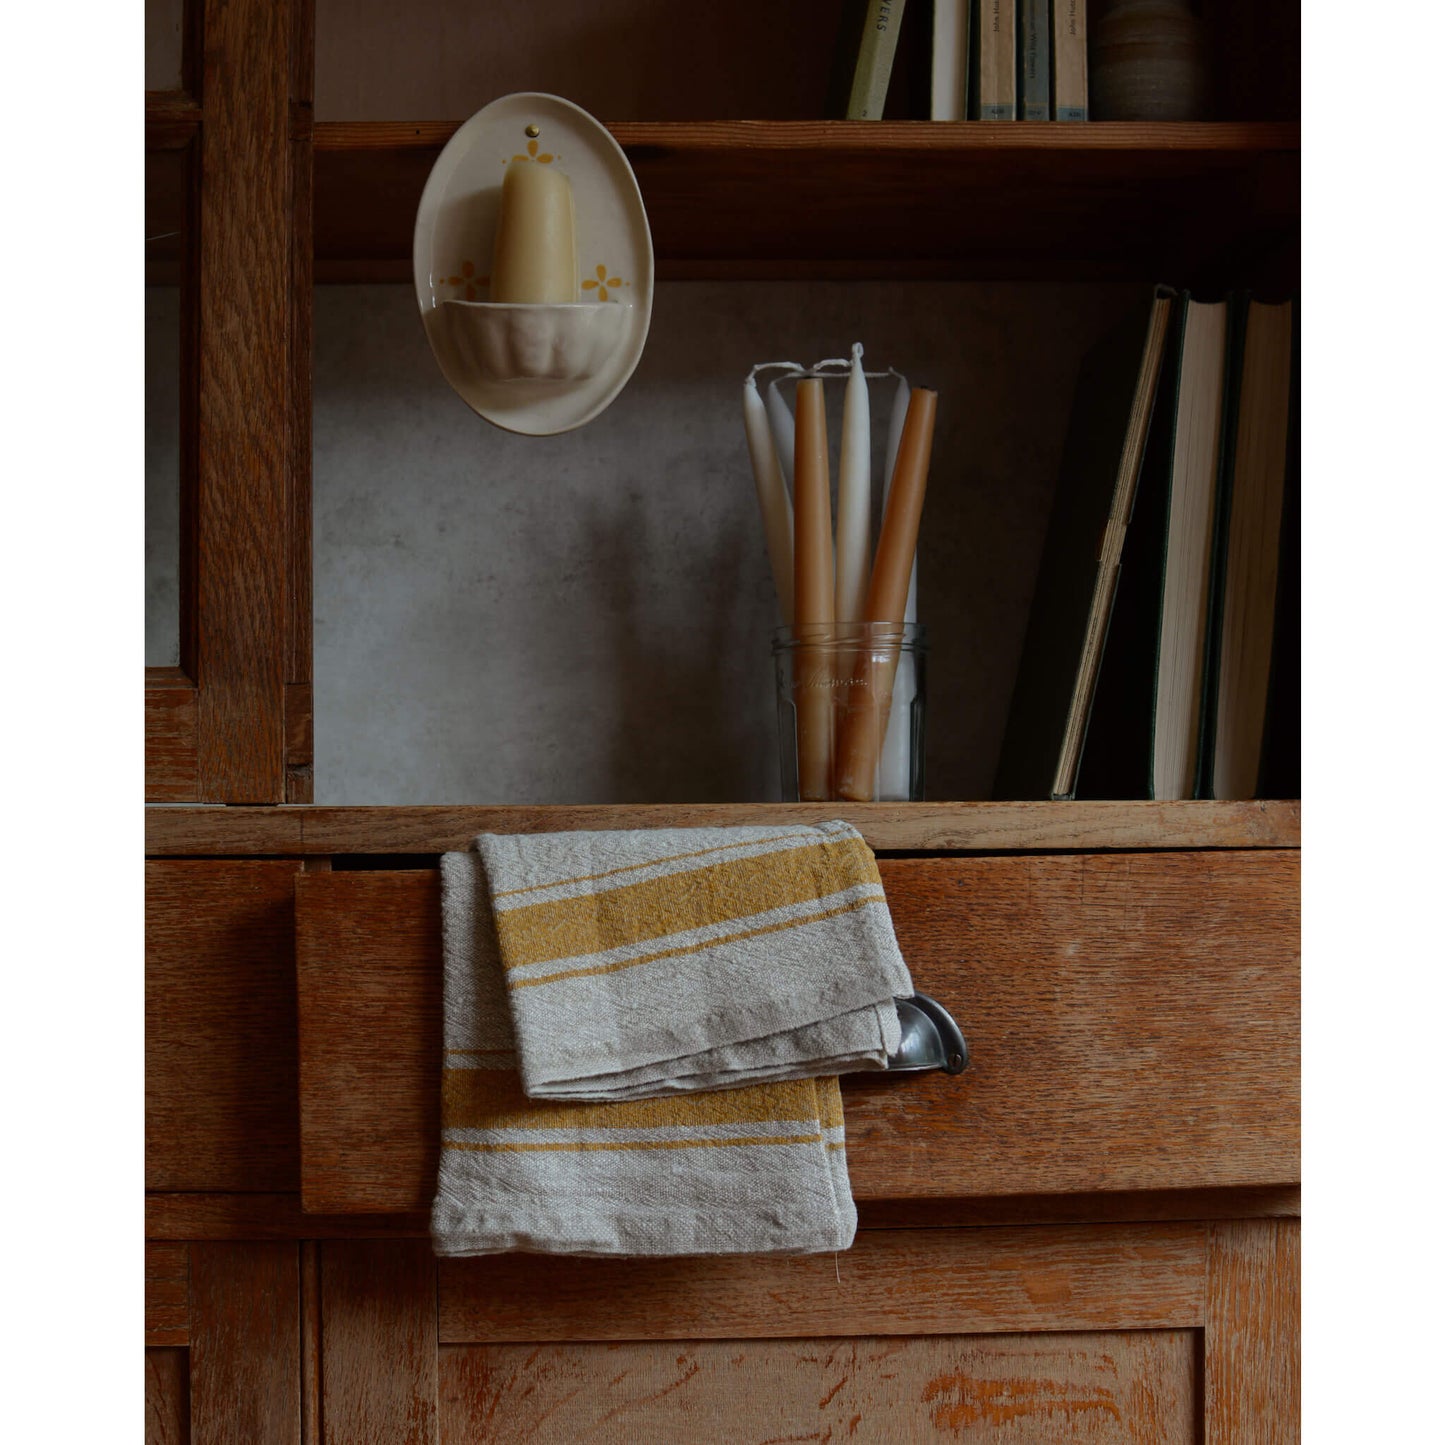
<point>654,971</point>
<point>646,962</point>
<point>758,1169</point>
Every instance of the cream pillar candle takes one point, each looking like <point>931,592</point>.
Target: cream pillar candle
<point>812,593</point>
<point>773,500</point>
<point>871,692</point>
<point>855,498</point>
<point>534,257</point>
<point>780,419</point>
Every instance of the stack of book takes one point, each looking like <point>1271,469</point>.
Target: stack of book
<point>991,59</point>
<point>1009,60</point>
<point>1162,653</point>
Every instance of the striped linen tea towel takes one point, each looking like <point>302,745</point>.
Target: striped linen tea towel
<point>683,963</point>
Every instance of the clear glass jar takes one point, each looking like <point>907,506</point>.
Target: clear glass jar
<point>850,711</point>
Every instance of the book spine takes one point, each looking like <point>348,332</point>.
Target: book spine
<point>876,48</point>
<point>1071,60</point>
<point>1033,82</point>
<point>948,94</point>
<point>996,81</point>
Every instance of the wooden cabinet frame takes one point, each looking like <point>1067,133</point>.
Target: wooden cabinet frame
<point>232,723</point>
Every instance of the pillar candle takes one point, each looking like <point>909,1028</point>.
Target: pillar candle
<point>781,421</point>
<point>812,593</point>
<point>855,498</point>
<point>534,257</point>
<point>871,691</point>
<point>773,500</point>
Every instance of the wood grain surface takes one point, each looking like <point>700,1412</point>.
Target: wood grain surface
<point>167,1292</point>
<point>170,731</point>
<point>368,1034</point>
<point>280,1216</point>
<point>245,1345</point>
<point>1133,1021</point>
<point>167,1397</point>
<point>891,1282</point>
<point>990,202</point>
<point>242,401</point>
<point>379,1342</point>
<point>1012,1389</point>
<point>910,828</point>
<point>1252,1333</point>
<point>220,1043</point>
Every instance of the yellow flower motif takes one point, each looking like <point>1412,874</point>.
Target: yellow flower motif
<point>602,282</point>
<point>468,280</point>
<point>545,159</point>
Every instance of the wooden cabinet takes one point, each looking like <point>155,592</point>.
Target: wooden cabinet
<point>1091,1235</point>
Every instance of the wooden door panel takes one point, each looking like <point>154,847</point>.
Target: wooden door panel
<point>901,1282</point>
<point>167,1396</point>
<point>1114,1387</point>
<point>1133,1020</point>
<point>220,1063</point>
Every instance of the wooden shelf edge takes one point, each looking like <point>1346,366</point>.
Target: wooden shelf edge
<point>280,1216</point>
<point>888,827</point>
<point>862,136</point>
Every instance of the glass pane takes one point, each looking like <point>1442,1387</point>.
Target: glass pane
<point>165,222</point>
<point>163,44</point>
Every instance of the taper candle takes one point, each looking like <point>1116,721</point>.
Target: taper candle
<point>870,695</point>
<point>780,419</point>
<point>895,762</point>
<point>895,434</point>
<point>773,500</point>
<point>813,592</point>
<point>855,498</point>
<point>534,256</point>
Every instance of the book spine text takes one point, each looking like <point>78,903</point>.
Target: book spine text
<point>1033,86</point>
<point>996,81</point>
<point>1071,60</point>
<point>876,48</point>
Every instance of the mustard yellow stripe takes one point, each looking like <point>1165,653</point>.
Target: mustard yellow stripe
<point>679,952</point>
<point>654,908</point>
<point>651,863</point>
<point>575,1148</point>
<point>493,1099</point>
<point>830,1103</point>
<point>831,1147</point>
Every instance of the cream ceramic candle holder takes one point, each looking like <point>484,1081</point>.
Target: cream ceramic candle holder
<point>543,367</point>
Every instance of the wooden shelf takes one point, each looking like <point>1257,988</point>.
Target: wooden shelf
<point>773,199</point>
<point>892,827</point>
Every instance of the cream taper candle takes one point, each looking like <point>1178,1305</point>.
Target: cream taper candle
<point>895,762</point>
<point>773,500</point>
<point>870,695</point>
<point>855,498</point>
<point>534,257</point>
<point>812,593</point>
<point>780,419</point>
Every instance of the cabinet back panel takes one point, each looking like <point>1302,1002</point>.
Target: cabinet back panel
<point>585,618</point>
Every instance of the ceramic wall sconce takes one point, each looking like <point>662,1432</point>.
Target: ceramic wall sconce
<point>533,367</point>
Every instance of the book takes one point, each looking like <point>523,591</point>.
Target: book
<point>995,81</point>
<point>1256,646</point>
<point>1145,734</point>
<point>1033,60</point>
<point>948,89</point>
<point>1078,573</point>
<point>877,44</point>
<point>1070,60</point>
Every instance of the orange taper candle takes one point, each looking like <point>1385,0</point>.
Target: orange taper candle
<point>871,693</point>
<point>812,592</point>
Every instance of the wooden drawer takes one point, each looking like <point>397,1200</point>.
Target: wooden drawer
<point>1133,1020</point>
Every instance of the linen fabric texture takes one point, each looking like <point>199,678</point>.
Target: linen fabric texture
<point>642,1032</point>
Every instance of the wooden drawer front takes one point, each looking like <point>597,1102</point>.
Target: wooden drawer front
<point>1133,1020</point>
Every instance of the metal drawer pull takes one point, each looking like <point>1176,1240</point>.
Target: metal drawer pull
<point>931,1039</point>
